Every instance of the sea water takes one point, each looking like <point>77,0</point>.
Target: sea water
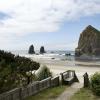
<point>56,55</point>
<point>49,54</point>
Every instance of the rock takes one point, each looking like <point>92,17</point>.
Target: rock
<point>67,54</point>
<point>42,50</point>
<point>52,58</point>
<point>31,50</point>
<point>89,42</point>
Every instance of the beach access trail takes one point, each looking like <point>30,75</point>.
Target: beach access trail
<point>70,91</point>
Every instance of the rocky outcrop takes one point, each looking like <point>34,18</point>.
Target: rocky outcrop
<point>31,50</point>
<point>42,50</point>
<point>89,42</point>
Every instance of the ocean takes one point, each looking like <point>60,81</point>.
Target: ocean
<point>49,56</point>
<point>56,54</point>
<point>25,52</point>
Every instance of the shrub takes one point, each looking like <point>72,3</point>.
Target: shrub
<point>14,69</point>
<point>95,83</point>
<point>44,72</point>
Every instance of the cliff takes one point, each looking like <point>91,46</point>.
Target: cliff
<point>89,42</point>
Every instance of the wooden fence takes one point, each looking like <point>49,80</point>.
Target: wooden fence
<point>32,89</point>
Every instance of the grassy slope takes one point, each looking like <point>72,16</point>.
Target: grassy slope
<point>48,94</point>
<point>84,94</point>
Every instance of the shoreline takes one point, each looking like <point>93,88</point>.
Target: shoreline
<point>59,66</point>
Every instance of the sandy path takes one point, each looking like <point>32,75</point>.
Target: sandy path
<point>69,92</point>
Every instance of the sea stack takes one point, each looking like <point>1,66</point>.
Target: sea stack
<point>42,50</point>
<point>89,42</point>
<point>31,50</point>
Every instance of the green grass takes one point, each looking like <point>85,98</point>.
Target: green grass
<point>84,94</point>
<point>50,93</point>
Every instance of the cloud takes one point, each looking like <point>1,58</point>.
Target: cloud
<point>31,16</point>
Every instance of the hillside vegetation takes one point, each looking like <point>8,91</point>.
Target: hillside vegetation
<point>15,71</point>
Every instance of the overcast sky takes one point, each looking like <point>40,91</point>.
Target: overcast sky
<point>56,24</point>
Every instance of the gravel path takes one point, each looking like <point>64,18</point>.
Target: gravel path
<point>69,92</point>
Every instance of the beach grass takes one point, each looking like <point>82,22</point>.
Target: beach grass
<point>48,94</point>
<point>84,94</point>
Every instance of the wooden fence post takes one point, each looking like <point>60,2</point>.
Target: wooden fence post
<point>61,78</point>
<point>75,77</point>
<point>86,80</point>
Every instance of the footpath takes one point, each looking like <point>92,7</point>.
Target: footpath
<point>70,91</point>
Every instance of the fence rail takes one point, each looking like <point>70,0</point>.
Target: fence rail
<point>22,93</point>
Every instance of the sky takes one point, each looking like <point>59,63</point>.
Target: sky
<point>54,24</point>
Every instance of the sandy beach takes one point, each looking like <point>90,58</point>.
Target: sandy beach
<point>57,65</point>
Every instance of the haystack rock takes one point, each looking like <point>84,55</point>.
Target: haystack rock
<point>42,50</point>
<point>31,50</point>
<point>89,42</point>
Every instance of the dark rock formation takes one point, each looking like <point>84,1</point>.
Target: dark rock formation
<point>67,54</point>
<point>42,50</point>
<point>89,42</point>
<point>31,50</point>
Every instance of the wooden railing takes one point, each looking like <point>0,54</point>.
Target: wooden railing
<point>69,77</point>
<point>21,93</point>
